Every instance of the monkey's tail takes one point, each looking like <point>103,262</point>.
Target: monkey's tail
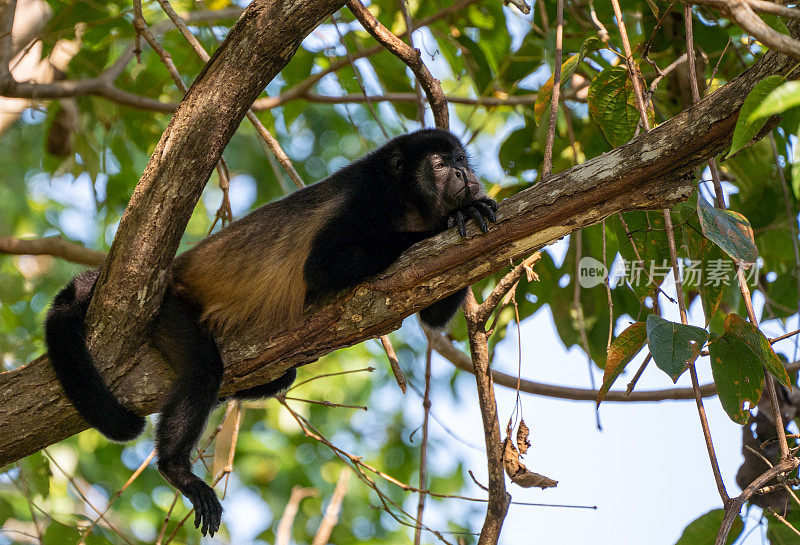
<point>66,345</point>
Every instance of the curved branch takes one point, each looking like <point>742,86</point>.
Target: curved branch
<point>447,350</point>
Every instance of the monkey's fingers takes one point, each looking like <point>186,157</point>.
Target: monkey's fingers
<point>462,228</point>
<point>216,520</point>
<point>478,217</point>
<point>486,209</point>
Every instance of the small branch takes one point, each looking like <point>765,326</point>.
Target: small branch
<point>117,495</point>
<point>332,512</point>
<point>283,534</point>
<point>410,56</point>
<point>505,285</point>
<point>455,356</point>
<point>547,163</point>
<point>423,449</point>
<point>394,363</point>
<point>53,246</point>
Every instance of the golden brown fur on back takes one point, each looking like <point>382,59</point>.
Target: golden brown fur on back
<point>250,274</point>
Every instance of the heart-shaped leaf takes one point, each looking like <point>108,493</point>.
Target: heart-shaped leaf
<point>737,374</point>
<point>673,345</point>
<point>759,345</point>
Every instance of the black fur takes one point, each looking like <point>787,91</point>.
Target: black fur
<point>64,335</point>
<point>411,188</point>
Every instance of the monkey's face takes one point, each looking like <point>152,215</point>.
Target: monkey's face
<point>449,180</point>
<point>455,191</point>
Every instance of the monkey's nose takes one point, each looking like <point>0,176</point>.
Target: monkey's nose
<point>459,174</point>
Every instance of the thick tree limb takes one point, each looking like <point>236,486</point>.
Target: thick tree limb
<point>649,172</point>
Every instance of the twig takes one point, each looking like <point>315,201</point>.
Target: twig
<point>362,369</point>
<point>462,361</point>
<point>166,59</point>
<point>325,403</point>
<point>547,162</point>
<point>783,520</point>
<point>401,4</point>
<point>423,449</point>
<point>86,500</point>
<point>485,310</point>
<point>394,363</point>
<point>638,375</point>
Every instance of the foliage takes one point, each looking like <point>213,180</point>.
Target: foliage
<point>481,51</point>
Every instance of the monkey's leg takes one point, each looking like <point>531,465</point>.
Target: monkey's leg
<point>185,411</point>
<point>270,389</point>
<point>438,314</point>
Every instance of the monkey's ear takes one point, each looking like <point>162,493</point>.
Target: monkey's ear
<point>396,161</point>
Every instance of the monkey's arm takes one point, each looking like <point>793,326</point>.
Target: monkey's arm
<point>343,255</point>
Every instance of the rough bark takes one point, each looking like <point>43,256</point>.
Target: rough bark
<point>649,172</point>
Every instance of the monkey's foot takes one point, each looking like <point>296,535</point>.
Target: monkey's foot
<point>476,210</point>
<point>207,509</point>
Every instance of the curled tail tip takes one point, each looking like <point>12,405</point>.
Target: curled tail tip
<point>125,427</point>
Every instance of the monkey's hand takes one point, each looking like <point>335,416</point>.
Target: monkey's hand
<point>477,209</point>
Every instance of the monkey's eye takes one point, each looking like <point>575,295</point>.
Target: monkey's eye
<point>461,157</point>
<point>439,165</point>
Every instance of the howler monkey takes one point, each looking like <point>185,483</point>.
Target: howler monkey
<point>321,239</point>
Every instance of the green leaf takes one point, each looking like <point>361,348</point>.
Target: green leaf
<point>5,511</point>
<point>737,375</point>
<point>778,100</point>
<point>759,345</point>
<point>644,245</point>
<point>703,530</point>
<point>729,230</point>
<point>36,470</point>
<point>673,345</point>
<point>58,534</point>
<point>612,104</point>
<point>620,353</point>
<point>747,126</point>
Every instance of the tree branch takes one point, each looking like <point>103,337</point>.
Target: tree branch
<point>53,246</point>
<point>648,172</point>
